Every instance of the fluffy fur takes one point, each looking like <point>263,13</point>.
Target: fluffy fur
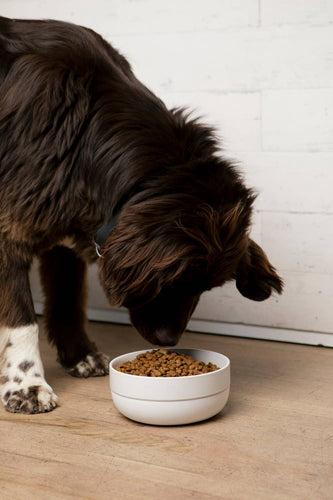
<point>81,139</point>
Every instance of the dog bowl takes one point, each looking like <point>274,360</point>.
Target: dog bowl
<point>171,400</point>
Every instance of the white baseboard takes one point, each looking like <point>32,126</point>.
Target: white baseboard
<point>219,328</point>
<point>262,332</point>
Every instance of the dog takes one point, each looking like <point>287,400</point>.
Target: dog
<point>93,166</point>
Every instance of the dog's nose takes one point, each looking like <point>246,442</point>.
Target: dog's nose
<point>165,337</point>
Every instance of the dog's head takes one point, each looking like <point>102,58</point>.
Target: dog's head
<point>167,250</point>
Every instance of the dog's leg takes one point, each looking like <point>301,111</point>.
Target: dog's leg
<point>63,276</point>
<point>22,384</point>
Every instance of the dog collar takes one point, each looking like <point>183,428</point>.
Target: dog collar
<point>104,232</point>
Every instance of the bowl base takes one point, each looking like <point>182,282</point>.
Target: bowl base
<point>171,412</point>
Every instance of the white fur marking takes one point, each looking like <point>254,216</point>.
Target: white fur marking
<point>19,362</point>
<point>92,365</point>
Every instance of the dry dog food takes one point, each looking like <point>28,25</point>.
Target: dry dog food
<point>162,363</point>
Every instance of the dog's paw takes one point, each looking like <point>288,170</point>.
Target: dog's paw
<point>23,387</point>
<point>95,364</point>
<point>29,398</point>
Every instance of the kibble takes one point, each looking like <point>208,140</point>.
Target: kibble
<point>163,363</point>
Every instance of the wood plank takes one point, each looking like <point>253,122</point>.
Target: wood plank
<point>273,440</point>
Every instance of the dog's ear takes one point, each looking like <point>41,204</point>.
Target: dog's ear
<point>140,257</point>
<point>256,278</point>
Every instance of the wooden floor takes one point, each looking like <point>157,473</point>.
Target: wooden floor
<point>274,439</point>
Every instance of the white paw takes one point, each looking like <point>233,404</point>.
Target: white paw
<point>28,396</point>
<point>95,364</point>
<point>23,387</point>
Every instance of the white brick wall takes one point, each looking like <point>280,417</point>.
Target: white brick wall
<point>262,72</point>
<point>303,119</point>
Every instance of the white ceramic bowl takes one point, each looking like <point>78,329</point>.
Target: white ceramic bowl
<point>171,400</point>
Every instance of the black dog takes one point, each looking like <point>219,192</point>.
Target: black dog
<point>87,151</point>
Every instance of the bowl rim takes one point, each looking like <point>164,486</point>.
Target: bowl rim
<point>187,377</point>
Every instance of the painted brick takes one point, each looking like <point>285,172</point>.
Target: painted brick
<point>141,16</point>
<point>235,116</point>
<point>250,59</point>
<point>306,304</point>
<point>313,12</point>
<point>299,242</point>
<point>295,182</point>
<point>298,120</point>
